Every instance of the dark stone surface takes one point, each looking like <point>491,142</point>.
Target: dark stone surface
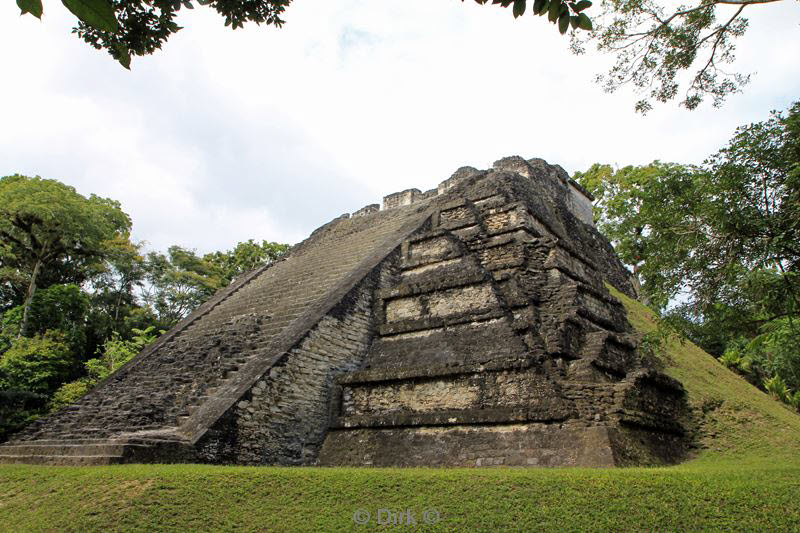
<point>525,444</point>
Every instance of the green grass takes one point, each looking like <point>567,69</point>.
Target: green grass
<point>190,497</point>
<point>746,477</point>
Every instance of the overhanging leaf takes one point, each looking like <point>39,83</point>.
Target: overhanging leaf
<point>125,61</point>
<point>584,22</point>
<point>34,7</point>
<point>96,13</point>
<point>563,23</point>
<point>583,4</point>
<point>554,11</point>
<point>519,8</point>
<point>123,55</point>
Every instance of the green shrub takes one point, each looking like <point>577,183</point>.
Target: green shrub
<point>36,364</point>
<point>69,393</point>
<point>116,353</point>
<point>777,388</point>
<point>794,400</point>
<point>731,359</point>
<point>18,409</point>
<point>777,350</point>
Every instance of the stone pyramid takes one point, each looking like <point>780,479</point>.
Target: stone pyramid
<point>468,325</point>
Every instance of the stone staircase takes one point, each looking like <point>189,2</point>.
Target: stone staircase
<point>162,402</point>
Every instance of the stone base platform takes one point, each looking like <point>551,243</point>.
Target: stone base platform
<point>543,445</point>
<point>87,452</point>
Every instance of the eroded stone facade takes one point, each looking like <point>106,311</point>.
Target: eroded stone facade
<point>467,325</point>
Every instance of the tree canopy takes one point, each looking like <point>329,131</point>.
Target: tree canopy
<point>672,51</point>
<point>126,28</point>
<point>47,226</point>
<point>662,49</point>
<point>703,227</point>
<point>721,242</point>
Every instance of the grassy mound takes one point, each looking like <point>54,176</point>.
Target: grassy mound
<point>746,476</point>
<point>738,421</point>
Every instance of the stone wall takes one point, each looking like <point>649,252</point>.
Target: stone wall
<point>519,444</point>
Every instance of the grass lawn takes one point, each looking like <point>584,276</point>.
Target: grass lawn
<point>745,477</point>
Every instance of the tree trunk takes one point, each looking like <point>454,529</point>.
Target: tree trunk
<point>637,286</point>
<point>23,329</point>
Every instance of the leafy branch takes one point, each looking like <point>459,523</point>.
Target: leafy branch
<point>560,12</point>
<point>654,47</point>
<point>139,27</point>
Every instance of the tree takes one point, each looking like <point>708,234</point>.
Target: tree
<point>46,226</point>
<point>78,299</point>
<point>708,228</point>
<point>113,292</point>
<point>727,235</point>
<point>63,308</point>
<point>564,13</point>
<point>655,44</point>
<point>38,364</point>
<point>178,282</point>
<point>630,206</point>
<point>244,257</point>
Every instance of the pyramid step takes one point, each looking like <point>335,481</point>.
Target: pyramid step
<point>67,448</point>
<point>91,451</point>
<point>62,460</point>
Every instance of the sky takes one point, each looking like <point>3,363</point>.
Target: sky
<point>267,133</point>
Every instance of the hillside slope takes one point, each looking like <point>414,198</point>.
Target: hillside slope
<point>738,421</point>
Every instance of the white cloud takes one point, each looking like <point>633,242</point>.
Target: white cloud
<point>268,133</point>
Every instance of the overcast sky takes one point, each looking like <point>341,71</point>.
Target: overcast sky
<point>268,133</point>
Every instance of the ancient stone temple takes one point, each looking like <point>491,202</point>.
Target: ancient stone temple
<point>469,325</point>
